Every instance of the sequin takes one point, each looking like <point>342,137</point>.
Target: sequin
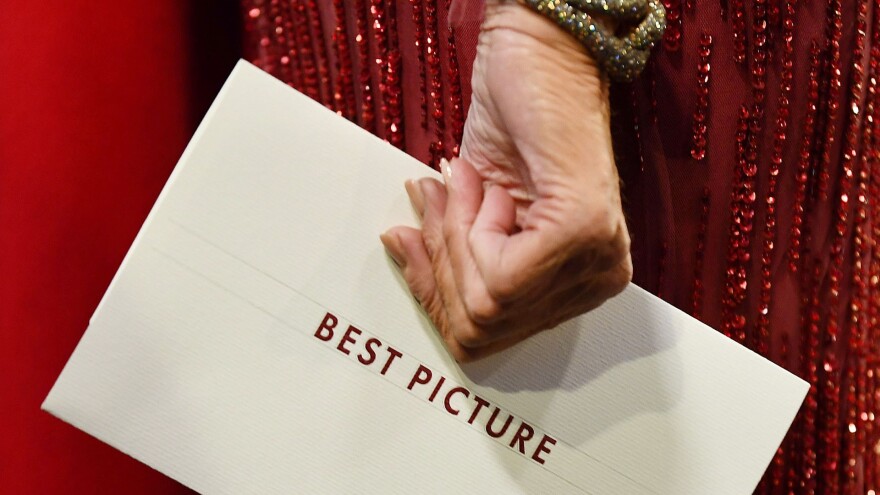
<point>698,289</point>
<point>435,74</point>
<point>739,244</point>
<point>388,66</point>
<point>701,113</point>
<point>344,97</point>
<point>419,41</point>
<point>455,96</point>
<point>282,60</point>
<point>307,58</point>
<point>830,432</point>
<point>831,95</point>
<point>316,34</point>
<point>799,234</point>
<point>672,36</point>
<point>365,78</point>
<point>780,136</point>
<point>738,27</point>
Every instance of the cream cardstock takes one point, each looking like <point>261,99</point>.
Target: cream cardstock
<point>211,359</point>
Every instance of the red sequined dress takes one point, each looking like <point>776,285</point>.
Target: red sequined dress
<point>748,152</point>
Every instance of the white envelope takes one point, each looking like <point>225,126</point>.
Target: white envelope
<point>210,357</point>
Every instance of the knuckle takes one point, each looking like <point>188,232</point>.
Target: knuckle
<point>449,231</point>
<point>600,233</point>
<point>432,221</point>
<point>502,287</point>
<point>627,270</point>
<point>470,336</point>
<point>620,277</point>
<point>482,308</point>
<point>432,308</point>
<point>461,355</point>
<point>606,238</point>
<point>433,243</point>
<point>430,302</point>
<point>622,242</point>
<point>598,221</point>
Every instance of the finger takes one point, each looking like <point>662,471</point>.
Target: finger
<point>509,262</point>
<point>465,197</point>
<point>406,244</point>
<point>414,191</point>
<point>406,248</point>
<point>434,199</point>
<point>464,187</point>
<point>464,336</point>
<point>459,331</point>
<point>429,279</point>
<point>513,263</point>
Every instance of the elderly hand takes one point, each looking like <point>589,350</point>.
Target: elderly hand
<point>527,231</point>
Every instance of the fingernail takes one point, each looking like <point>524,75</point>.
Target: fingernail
<point>416,198</point>
<point>393,247</point>
<point>446,170</point>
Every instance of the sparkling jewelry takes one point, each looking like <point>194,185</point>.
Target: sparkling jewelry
<point>622,57</point>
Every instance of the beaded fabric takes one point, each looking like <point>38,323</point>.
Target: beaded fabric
<point>750,160</point>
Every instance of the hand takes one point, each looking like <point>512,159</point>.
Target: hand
<point>528,230</point>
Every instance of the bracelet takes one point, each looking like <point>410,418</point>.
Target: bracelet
<point>622,57</point>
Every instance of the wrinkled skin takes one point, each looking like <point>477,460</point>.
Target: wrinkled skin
<point>527,231</point>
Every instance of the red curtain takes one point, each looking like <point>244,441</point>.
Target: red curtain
<point>97,101</point>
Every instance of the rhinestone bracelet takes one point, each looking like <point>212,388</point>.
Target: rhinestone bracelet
<point>622,57</point>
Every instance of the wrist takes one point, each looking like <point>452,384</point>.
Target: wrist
<point>621,50</point>
<point>552,42</point>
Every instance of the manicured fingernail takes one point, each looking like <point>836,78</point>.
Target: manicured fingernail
<point>446,170</point>
<point>394,248</point>
<point>416,198</point>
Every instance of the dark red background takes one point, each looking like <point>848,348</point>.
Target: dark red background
<point>97,100</point>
